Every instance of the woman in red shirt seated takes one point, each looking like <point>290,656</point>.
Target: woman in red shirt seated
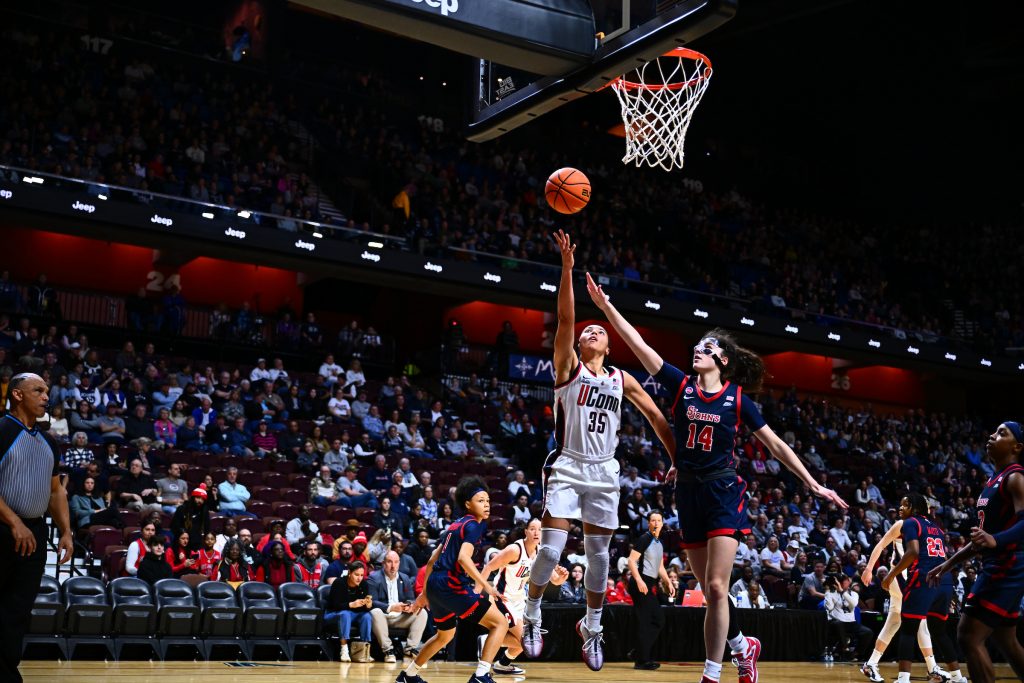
<point>180,557</point>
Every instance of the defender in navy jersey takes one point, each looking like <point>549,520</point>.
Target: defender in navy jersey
<point>450,582</point>
<point>709,407</point>
<point>924,549</point>
<point>992,608</point>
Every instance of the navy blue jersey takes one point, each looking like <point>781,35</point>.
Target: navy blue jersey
<point>996,513</point>
<point>466,530</point>
<point>706,424</point>
<point>931,550</point>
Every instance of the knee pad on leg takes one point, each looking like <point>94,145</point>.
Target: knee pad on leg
<point>596,577</point>
<point>889,629</point>
<point>552,542</point>
<point>924,636</point>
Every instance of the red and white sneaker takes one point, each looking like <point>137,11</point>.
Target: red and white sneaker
<point>747,664</point>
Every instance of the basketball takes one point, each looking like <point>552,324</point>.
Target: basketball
<point>567,190</point>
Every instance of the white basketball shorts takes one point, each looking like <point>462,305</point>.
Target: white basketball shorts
<point>588,491</point>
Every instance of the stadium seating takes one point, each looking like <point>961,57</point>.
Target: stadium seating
<point>303,618</point>
<point>46,625</point>
<point>177,616</point>
<point>87,614</point>
<point>134,614</point>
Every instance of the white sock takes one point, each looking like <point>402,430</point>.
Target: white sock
<point>532,611</point>
<point>482,668</point>
<point>593,622</point>
<point>739,645</point>
<point>929,662</point>
<point>412,669</point>
<point>875,658</point>
<point>904,677</point>
<point>957,676</point>
<point>712,670</point>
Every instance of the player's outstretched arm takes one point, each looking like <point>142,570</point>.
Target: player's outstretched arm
<point>784,454</point>
<point>565,357</point>
<point>648,357</point>
<point>891,535</point>
<point>643,401</point>
<point>961,556</point>
<point>508,554</point>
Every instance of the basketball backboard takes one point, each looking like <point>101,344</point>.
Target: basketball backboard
<point>635,32</point>
<point>532,56</point>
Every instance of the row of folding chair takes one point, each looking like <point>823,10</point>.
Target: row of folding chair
<point>128,611</point>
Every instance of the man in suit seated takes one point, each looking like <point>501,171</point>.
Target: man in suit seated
<point>393,597</point>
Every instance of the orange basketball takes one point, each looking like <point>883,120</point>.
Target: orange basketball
<point>567,190</point>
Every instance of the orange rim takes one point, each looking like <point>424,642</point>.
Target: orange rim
<point>680,52</point>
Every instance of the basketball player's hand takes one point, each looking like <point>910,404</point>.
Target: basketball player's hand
<point>641,586</point>
<point>865,577</point>
<point>828,494</point>
<point>567,248</point>
<point>887,581</point>
<point>600,299</point>
<point>491,590</point>
<point>671,589</point>
<point>935,575</point>
<point>670,476</point>
<point>419,603</point>
<point>559,576</point>
<point>981,539</point>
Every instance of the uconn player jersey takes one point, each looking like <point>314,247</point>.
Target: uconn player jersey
<point>512,578</point>
<point>706,423</point>
<point>466,530</point>
<point>587,414</point>
<point>995,514</point>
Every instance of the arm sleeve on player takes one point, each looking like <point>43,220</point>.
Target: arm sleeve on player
<point>1013,535</point>
<point>750,415</point>
<point>671,378</point>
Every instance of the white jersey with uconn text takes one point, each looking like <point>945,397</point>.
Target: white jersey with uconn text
<point>587,414</point>
<point>512,578</point>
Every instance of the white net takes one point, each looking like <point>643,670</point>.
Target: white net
<point>658,99</point>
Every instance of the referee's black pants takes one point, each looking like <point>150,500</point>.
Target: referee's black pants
<point>649,618</point>
<point>19,585</point>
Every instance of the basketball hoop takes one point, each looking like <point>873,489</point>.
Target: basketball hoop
<point>658,99</point>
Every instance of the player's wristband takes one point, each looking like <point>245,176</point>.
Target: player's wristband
<point>1015,534</point>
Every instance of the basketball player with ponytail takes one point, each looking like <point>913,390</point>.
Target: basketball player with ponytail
<point>581,476</point>
<point>708,408</point>
<point>992,608</point>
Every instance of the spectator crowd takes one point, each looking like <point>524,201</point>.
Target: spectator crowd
<point>220,136</point>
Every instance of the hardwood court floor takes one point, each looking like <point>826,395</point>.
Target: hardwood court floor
<point>536,672</point>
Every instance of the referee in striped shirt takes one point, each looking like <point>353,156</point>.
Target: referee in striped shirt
<point>29,486</point>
